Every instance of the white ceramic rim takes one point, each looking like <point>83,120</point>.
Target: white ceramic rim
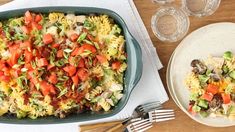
<point>170,83</point>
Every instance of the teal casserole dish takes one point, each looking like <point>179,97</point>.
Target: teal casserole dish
<point>132,74</point>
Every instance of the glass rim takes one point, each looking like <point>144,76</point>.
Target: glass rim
<point>201,13</point>
<point>176,36</point>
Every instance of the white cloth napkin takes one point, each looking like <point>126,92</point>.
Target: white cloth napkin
<point>149,88</point>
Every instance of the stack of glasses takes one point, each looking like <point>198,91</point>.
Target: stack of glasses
<point>171,23</point>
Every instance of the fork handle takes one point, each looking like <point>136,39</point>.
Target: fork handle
<point>98,125</point>
<point>116,127</point>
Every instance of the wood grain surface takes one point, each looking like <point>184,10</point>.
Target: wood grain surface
<point>182,123</point>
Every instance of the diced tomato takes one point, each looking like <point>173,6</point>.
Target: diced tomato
<point>89,47</point>
<point>25,29</point>
<point>38,18</point>
<point>95,60</point>
<point>190,109</point>
<point>32,74</point>
<point>5,78</point>
<point>47,88</point>
<point>37,26</point>
<point>55,45</point>
<point>212,89</point>
<point>71,70</point>
<point>14,48</point>
<point>116,65</point>
<point>207,96</point>
<point>101,58</point>
<point>90,37</point>
<point>36,53</point>
<point>83,48</point>
<point>25,45</point>
<point>34,81</point>
<point>14,58</point>
<point>53,78</point>
<point>28,56</point>
<point>81,63</point>
<point>28,17</point>
<point>16,72</point>
<point>60,53</point>
<point>1,73</point>
<point>50,66</point>
<point>77,51</point>
<point>6,70</point>
<point>226,98</point>
<point>75,79</point>
<point>74,37</point>
<point>82,74</point>
<point>2,64</point>
<point>73,61</point>
<point>28,66</point>
<point>47,38</point>
<point>42,62</point>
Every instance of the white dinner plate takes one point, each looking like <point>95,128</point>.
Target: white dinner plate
<point>213,39</point>
<point>168,81</point>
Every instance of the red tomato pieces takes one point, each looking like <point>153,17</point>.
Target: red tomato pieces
<point>81,63</point>
<point>47,88</point>
<point>207,96</point>
<point>38,18</point>
<point>101,58</point>
<point>83,48</point>
<point>14,58</point>
<point>116,65</point>
<point>212,89</point>
<point>47,38</point>
<point>60,53</point>
<point>28,17</point>
<point>5,78</point>
<point>42,62</point>
<point>37,26</point>
<point>75,80</point>
<point>25,29</point>
<point>71,70</point>
<point>26,45</point>
<point>28,56</point>
<point>53,78</point>
<point>74,37</point>
<point>226,98</point>
<point>82,74</point>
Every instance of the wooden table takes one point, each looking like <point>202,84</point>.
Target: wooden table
<point>182,123</point>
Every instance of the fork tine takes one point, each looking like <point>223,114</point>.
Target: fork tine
<point>164,119</point>
<point>147,107</point>
<point>139,125</point>
<point>161,115</point>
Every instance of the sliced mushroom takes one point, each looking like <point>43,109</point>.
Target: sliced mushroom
<point>215,77</point>
<point>198,67</point>
<point>216,102</point>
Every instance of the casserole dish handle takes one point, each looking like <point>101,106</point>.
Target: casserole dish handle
<point>136,60</point>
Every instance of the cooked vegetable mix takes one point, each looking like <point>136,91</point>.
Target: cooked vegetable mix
<point>57,64</point>
<point>212,86</point>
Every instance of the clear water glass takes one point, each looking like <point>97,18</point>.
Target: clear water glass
<point>170,23</point>
<point>200,8</point>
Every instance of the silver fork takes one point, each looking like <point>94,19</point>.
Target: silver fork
<point>139,125</point>
<point>142,124</point>
<point>140,111</point>
<point>161,115</point>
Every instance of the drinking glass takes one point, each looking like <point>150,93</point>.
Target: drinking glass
<point>170,23</point>
<point>200,8</point>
